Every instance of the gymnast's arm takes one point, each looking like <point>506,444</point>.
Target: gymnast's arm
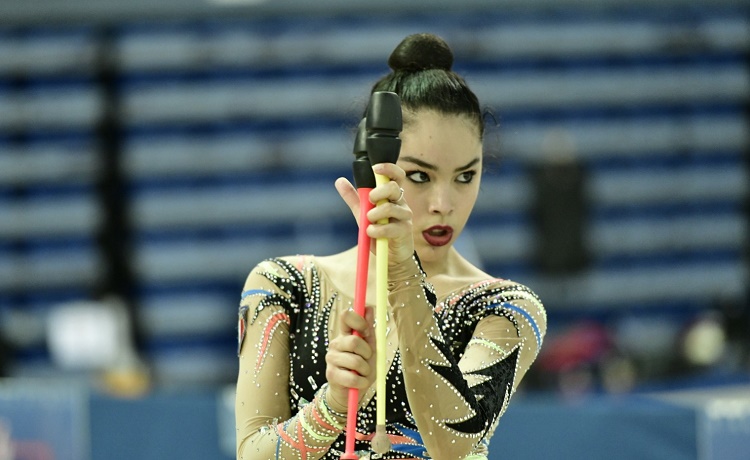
<point>474,392</point>
<point>266,428</point>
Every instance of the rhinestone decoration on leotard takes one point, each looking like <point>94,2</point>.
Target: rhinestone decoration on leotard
<point>484,391</point>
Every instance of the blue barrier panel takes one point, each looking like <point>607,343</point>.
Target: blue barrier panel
<point>596,427</point>
<point>165,425</point>
<point>722,428</point>
<point>726,429</point>
<point>43,421</point>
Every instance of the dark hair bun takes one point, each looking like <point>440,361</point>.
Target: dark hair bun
<point>421,52</point>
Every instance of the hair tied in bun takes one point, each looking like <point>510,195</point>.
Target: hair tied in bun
<point>421,52</point>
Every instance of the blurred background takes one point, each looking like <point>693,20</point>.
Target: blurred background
<point>151,153</point>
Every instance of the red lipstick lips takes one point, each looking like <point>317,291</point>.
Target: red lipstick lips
<point>438,235</point>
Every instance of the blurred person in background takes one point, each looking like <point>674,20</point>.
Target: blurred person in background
<point>5,353</point>
<point>459,339</point>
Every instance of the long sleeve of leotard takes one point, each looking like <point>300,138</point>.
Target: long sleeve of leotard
<point>457,402</point>
<point>266,428</point>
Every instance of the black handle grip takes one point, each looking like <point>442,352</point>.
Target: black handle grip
<point>362,169</point>
<point>383,125</point>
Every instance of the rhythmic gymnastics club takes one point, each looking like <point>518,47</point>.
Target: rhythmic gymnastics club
<point>383,125</point>
<point>364,181</point>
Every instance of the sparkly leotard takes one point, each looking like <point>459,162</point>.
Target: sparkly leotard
<point>453,363</point>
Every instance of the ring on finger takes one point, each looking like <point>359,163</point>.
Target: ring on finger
<point>401,196</point>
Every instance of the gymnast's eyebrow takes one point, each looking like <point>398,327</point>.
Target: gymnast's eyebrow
<point>432,167</point>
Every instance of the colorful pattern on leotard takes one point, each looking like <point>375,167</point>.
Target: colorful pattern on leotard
<point>293,302</point>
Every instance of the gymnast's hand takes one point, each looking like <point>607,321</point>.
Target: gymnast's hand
<point>394,211</point>
<point>349,352</point>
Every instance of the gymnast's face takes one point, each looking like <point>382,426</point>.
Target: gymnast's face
<point>442,157</point>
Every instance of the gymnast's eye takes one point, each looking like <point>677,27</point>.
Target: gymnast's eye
<point>418,177</point>
<point>466,177</point>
